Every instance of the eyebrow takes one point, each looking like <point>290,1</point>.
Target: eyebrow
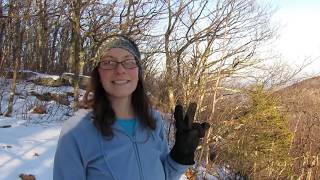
<point>126,56</point>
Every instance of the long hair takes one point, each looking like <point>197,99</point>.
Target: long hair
<point>103,114</point>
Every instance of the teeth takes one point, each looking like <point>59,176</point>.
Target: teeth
<point>120,82</point>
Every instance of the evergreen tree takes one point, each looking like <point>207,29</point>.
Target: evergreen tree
<point>258,143</point>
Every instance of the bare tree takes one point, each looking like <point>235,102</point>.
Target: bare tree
<point>2,33</point>
<point>75,7</point>
<point>17,35</point>
<point>43,34</point>
<point>207,43</point>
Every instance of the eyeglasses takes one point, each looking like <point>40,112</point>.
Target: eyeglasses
<point>111,64</point>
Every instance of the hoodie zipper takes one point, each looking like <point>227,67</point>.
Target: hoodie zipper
<point>134,142</point>
<point>138,156</point>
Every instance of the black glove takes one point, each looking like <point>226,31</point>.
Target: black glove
<point>188,135</point>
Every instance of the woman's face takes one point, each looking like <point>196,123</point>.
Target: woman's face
<point>119,81</point>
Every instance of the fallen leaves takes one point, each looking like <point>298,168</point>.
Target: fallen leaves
<point>38,110</point>
<point>27,176</point>
<point>190,174</point>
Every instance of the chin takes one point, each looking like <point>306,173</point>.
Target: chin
<point>120,95</point>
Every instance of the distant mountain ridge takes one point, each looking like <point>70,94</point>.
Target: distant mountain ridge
<point>313,83</point>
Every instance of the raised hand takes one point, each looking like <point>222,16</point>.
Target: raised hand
<point>188,135</point>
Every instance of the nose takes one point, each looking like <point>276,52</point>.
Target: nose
<point>119,69</point>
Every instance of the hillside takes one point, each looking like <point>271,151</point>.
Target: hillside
<point>301,102</point>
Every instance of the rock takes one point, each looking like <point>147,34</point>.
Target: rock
<point>41,97</point>
<point>59,98</point>
<point>68,78</point>
<point>22,75</point>
<point>5,126</point>
<point>6,146</point>
<point>48,81</point>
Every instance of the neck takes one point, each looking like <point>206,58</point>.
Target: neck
<point>122,107</point>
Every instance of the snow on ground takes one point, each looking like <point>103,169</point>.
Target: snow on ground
<point>28,146</point>
<point>27,149</point>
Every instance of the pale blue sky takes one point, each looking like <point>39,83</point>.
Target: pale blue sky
<point>299,35</point>
<point>298,4</point>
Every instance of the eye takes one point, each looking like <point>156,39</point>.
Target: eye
<point>130,63</point>
<point>106,62</point>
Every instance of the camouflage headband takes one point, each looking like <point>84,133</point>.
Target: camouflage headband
<point>121,42</point>
<point>124,43</point>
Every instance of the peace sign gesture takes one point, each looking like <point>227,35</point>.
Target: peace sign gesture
<point>188,135</point>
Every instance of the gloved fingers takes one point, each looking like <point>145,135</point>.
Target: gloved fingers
<point>205,125</point>
<point>178,116</point>
<point>201,128</point>
<point>189,118</point>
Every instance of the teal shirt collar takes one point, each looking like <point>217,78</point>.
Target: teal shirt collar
<point>127,125</point>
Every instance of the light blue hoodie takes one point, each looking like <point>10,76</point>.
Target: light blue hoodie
<point>84,154</point>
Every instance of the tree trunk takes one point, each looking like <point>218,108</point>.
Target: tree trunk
<point>75,20</point>
<point>169,59</point>
<point>16,55</point>
<point>2,30</point>
<point>42,35</point>
<point>64,51</point>
<point>53,50</point>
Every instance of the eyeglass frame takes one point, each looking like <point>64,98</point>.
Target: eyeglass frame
<point>117,62</point>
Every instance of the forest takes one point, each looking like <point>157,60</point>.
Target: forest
<point>263,125</point>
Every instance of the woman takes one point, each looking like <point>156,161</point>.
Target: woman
<point>121,137</point>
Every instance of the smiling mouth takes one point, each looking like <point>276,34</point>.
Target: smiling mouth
<point>120,82</point>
